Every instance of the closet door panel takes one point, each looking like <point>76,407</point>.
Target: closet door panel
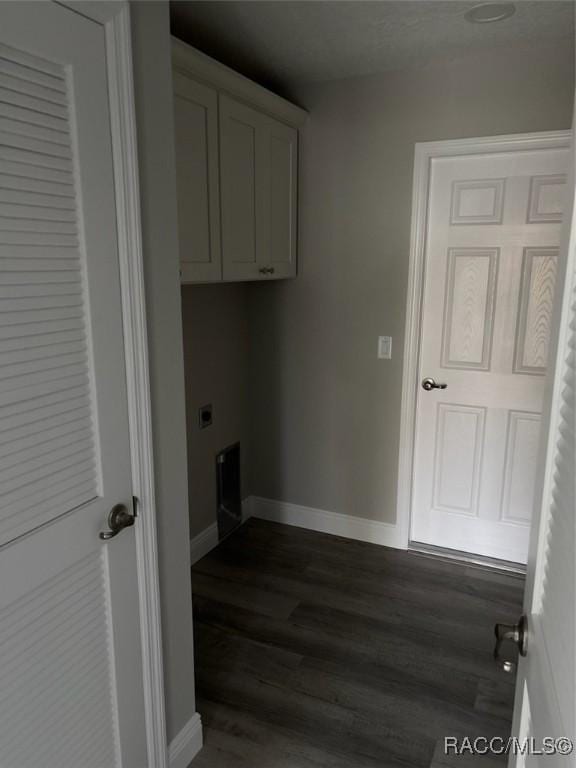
<point>196,125</point>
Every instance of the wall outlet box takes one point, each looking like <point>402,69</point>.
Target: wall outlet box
<point>385,347</point>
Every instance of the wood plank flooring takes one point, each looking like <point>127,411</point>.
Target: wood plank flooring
<point>315,651</point>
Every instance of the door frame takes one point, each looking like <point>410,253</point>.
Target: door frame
<point>114,17</point>
<point>424,153</point>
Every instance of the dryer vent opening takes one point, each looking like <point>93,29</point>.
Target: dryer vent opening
<point>228,490</point>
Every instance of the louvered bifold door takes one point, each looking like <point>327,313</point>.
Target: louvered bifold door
<point>71,692</point>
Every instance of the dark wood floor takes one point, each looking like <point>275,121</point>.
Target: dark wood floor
<point>315,651</point>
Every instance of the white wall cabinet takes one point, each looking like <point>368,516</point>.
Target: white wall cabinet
<point>237,174</point>
<point>258,171</point>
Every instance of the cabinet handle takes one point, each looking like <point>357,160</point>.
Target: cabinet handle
<point>266,270</point>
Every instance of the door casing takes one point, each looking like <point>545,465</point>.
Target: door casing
<point>115,18</point>
<point>423,155</point>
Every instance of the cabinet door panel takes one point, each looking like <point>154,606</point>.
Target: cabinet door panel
<point>196,124</point>
<point>282,161</point>
<point>240,137</point>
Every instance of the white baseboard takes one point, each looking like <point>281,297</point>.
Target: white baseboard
<point>207,539</point>
<point>247,508</point>
<point>185,745</point>
<point>201,544</point>
<point>358,528</point>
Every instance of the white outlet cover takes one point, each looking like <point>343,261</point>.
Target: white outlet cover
<point>385,347</point>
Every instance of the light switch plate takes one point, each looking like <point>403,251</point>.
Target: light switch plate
<point>385,347</point>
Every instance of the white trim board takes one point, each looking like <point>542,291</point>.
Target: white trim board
<point>358,528</point>
<point>207,539</point>
<point>203,543</point>
<point>423,155</point>
<point>186,744</point>
<point>121,88</point>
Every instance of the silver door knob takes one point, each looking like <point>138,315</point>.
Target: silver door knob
<point>517,634</point>
<point>428,384</point>
<point>118,519</point>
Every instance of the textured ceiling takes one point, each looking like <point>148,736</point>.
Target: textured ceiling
<point>281,43</point>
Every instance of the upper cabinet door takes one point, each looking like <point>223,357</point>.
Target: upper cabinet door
<point>258,171</point>
<point>281,162</point>
<point>196,124</point>
<point>242,195</point>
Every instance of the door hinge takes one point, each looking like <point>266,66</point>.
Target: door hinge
<point>135,505</point>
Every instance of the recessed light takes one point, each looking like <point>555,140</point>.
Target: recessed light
<point>485,13</point>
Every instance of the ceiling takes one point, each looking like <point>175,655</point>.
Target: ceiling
<point>281,43</point>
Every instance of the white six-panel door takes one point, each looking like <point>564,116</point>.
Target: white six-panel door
<point>490,269</point>
<point>70,651</point>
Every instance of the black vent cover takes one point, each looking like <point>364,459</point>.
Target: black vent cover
<point>228,490</point>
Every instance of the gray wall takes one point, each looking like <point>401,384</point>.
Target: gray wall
<point>153,82</point>
<point>216,338</point>
<point>326,410</point>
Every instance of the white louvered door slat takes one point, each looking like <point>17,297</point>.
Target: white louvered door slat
<point>71,691</point>
<point>546,684</point>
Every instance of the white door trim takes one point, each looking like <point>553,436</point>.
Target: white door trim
<point>115,18</point>
<point>423,154</point>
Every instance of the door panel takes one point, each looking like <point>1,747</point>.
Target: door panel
<point>196,126</point>
<point>70,655</point>
<point>469,312</point>
<point>546,199</point>
<point>490,276</point>
<point>57,683</point>
<point>535,310</point>
<point>459,439</point>
<point>522,437</point>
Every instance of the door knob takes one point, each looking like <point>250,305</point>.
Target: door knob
<point>118,519</point>
<point>429,384</point>
<point>514,633</point>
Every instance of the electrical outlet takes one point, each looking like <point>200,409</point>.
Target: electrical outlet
<point>205,416</point>
<point>385,347</point>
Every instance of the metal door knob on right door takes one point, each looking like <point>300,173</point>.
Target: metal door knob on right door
<point>429,384</point>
